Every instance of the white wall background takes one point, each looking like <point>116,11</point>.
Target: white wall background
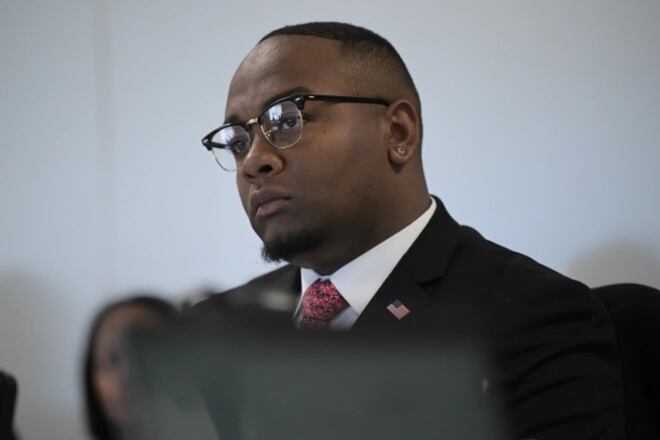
<point>542,131</point>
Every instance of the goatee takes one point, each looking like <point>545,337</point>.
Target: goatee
<point>285,248</point>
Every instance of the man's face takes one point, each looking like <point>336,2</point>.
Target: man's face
<point>318,199</point>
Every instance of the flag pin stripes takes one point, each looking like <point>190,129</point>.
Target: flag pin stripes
<point>397,309</point>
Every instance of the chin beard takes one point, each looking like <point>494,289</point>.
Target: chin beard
<point>286,248</point>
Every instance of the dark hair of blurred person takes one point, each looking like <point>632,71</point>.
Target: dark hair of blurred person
<point>105,364</point>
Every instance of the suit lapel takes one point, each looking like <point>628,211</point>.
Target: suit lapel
<point>289,281</point>
<point>398,286</point>
<point>426,260</point>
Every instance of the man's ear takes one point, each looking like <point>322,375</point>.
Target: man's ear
<point>403,138</point>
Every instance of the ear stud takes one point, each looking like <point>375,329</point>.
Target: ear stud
<point>400,150</point>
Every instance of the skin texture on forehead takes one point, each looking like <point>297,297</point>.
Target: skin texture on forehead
<point>369,73</point>
<point>288,57</point>
<point>339,184</point>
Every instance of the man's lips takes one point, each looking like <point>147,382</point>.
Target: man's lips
<point>269,208</point>
<point>267,203</point>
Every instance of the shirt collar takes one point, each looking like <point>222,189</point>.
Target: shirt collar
<point>359,280</point>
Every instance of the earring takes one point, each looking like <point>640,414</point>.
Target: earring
<point>400,150</point>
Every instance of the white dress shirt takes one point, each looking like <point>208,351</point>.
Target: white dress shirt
<point>359,280</point>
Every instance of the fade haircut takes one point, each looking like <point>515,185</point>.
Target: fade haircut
<point>380,70</point>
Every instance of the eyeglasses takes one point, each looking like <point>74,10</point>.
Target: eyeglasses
<point>281,124</point>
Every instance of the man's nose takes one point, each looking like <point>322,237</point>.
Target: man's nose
<point>262,160</point>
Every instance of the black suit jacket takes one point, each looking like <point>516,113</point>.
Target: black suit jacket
<point>551,340</point>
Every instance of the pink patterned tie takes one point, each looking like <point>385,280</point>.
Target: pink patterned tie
<point>321,302</point>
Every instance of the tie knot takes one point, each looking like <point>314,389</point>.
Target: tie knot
<point>321,302</point>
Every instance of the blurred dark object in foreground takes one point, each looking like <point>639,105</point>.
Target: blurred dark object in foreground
<point>8,393</point>
<point>248,375</point>
<point>635,312</point>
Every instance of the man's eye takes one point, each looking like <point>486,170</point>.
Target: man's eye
<point>239,146</point>
<point>290,121</point>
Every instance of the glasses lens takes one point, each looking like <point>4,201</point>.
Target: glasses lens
<point>282,124</point>
<point>230,145</point>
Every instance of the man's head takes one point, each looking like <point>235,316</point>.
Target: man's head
<point>377,68</point>
<point>354,177</point>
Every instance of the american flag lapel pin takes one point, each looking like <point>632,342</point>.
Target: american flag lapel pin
<point>397,309</point>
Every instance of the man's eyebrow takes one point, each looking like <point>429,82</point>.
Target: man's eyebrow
<point>234,119</point>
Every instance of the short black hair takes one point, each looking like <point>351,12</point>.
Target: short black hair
<point>98,423</point>
<point>366,45</point>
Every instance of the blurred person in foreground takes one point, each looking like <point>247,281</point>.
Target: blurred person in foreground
<point>107,369</point>
<point>323,129</point>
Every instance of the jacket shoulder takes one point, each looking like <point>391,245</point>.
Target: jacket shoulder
<point>270,280</point>
<point>280,283</point>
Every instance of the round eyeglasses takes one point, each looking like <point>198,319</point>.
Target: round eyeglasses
<point>281,124</point>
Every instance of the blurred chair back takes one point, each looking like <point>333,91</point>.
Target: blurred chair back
<point>635,313</point>
<point>8,390</point>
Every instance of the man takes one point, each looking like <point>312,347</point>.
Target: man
<point>323,127</point>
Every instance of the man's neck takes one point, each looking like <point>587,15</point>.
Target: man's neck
<point>337,252</point>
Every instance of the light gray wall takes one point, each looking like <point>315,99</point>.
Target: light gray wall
<point>542,130</point>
